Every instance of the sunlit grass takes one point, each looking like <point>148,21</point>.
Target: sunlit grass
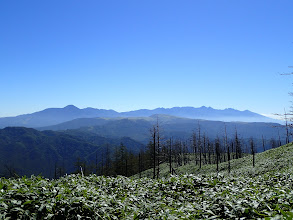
<point>261,192</point>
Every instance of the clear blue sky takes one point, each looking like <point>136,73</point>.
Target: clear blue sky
<point>127,55</point>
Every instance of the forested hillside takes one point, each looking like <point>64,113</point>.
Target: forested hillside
<point>25,151</point>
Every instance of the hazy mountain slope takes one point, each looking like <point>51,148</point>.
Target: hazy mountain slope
<point>76,124</point>
<point>203,112</point>
<point>90,137</point>
<point>29,151</point>
<point>53,116</point>
<point>138,128</point>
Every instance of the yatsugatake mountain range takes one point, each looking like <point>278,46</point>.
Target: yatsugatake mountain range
<point>53,116</point>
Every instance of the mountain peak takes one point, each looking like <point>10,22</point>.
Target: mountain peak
<point>230,109</point>
<point>70,107</point>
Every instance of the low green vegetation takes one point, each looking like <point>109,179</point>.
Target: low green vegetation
<point>279,159</point>
<point>265,191</point>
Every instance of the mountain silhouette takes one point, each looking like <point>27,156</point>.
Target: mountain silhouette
<point>54,116</point>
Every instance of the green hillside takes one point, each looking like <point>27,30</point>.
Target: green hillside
<point>26,151</point>
<point>263,192</point>
<point>278,159</point>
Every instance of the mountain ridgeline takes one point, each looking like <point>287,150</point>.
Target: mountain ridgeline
<point>53,116</point>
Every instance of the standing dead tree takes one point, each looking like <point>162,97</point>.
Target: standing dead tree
<point>199,146</point>
<point>228,149</point>
<point>158,149</point>
<point>217,146</point>
<point>154,151</point>
<point>252,149</point>
<point>238,150</point>
<point>194,147</point>
<point>263,143</point>
<point>170,144</point>
<point>287,127</point>
<point>288,117</point>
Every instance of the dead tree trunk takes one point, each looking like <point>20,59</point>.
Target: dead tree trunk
<point>252,149</point>
<point>263,143</point>
<point>228,149</point>
<point>154,132</point>
<point>199,146</point>
<point>217,145</point>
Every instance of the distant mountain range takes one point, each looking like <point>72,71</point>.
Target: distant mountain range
<point>62,135</point>
<point>138,128</point>
<point>54,116</point>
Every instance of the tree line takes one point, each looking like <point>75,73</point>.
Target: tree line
<point>199,149</point>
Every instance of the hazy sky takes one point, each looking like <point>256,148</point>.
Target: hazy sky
<point>127,55</point>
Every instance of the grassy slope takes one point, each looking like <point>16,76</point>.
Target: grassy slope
<point>278,159</point>
<point>247,193</point>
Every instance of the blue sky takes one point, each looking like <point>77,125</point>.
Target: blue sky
<point>127,55</point>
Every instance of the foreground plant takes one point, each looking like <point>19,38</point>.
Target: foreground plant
<point>176,197</point>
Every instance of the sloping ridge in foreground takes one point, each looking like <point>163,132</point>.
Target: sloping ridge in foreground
<point>274,160</point>
<point>264,192</point>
